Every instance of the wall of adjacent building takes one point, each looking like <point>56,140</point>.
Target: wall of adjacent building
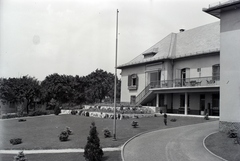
<point>230,70</point>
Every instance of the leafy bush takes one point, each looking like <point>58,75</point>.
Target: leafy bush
<point>134,124</point>
<point>16,141</point>
<point>87,114</point>
<point>92,150</point>
<point>206,117</point>
<point>22,120</point>
<point>20,157</point>
<point>107,133</point>
<point>69,131</point>
<point>63,136</point>
<point>57,110</point>
<point>73,112</point>
<point>232,133</point>
<point>37,113</point>
<point>9,115</point>
<point>173,120</point>
<point>80,112</point>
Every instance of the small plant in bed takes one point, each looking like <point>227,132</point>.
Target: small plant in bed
<point>16,141</point>
<point>232,133</point>
<point>107,133</point>
<point>22,120</point>
<point>134,124</point>
<point>173,120</point>
<point>69,131</point>
<point>20,157</point>
<point>63,136</point>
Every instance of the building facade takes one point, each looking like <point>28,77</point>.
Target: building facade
<point>179,74</point>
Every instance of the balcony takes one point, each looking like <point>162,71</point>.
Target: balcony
<point>188,82</point>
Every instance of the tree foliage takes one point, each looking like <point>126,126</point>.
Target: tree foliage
<point>100,84</point>
<point>58,89</point>
<point>92,150</point>
<point>18,90</point>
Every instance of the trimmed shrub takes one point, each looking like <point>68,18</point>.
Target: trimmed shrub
<point>232,133</point>
<point>63,136</point>
<point>16,141</point>
<point>57,110</point>
<point>22,120</point>
<point>173,120</point>
<point>107,133</point>
<point>73,112</point>
<point>87,114</point>
<point>20,157</point>
<point>134,124</point>
<point>37,113</point>
<point>206,117</point>
<point>9,115</point>
<point>69,131</point>
<point>92,150</point>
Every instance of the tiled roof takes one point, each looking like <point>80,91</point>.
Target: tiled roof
<point>201,40</point>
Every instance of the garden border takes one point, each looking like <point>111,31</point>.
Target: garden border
<point>208,149</point>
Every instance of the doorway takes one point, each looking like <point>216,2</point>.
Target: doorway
<point>202,104</point>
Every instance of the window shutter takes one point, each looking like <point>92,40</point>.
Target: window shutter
<point>129,80</point>
<point>136,80</point>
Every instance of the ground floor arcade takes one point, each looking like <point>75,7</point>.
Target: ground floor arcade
<point>187,101</point>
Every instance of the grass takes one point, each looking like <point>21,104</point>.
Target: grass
<point>42,133</point>
<point>220,144</point>
<point>116,156</point>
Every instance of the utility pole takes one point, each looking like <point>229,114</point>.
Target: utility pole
<point>115,83</point>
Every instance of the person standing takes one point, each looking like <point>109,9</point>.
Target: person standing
<point>165,119</point>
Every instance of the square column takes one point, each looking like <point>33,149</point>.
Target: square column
<point>157,100</point>
<point>186,103</point>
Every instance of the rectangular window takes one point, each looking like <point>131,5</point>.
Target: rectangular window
<point>133,99</point>
<point>133,82</point>
<point>215,100</point>
<point>216,72</point>
<point>161,100</point>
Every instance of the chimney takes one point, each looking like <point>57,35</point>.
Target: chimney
<point>182,30</point>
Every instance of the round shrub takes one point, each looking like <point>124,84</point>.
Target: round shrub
<point>16,141</point>
<point>20,157</point>
<point>57,110</point>
<point>134,124</point>
<point>107,133</point>
<point>63,136</point>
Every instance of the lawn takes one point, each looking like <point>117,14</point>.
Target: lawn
<point>42,133</point>
<point>220,144</point>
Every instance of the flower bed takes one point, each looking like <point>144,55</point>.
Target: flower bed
<point>109,115</point>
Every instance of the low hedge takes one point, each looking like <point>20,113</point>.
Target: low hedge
<point>16,141</point>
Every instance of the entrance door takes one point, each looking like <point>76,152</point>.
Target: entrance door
<point>184,75</point>
<point>202,103</point>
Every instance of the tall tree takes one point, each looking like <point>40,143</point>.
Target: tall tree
<point>18,90</point>
<point>100,84</point>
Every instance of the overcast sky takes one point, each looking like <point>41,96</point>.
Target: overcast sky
<point>75,37</point>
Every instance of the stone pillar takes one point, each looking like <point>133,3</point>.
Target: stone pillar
<point>186,103</point>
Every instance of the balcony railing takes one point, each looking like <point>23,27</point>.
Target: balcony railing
<point>188,82</point>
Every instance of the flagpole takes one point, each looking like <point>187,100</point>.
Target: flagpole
<point>115,82</point>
